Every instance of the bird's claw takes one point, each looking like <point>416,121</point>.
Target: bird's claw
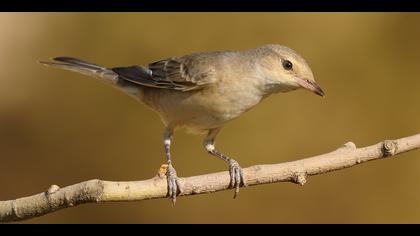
<point>236,176</point>
<point>173,183</point>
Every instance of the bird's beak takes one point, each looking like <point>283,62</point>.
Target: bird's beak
<point>311,86</point>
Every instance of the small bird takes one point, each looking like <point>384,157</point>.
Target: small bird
<point>201,92</point>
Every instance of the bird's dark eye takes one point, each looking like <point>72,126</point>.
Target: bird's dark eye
<point>287,65</point>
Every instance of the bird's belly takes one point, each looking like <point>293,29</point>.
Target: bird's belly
<point>196,117</point>
<point>197,111</point>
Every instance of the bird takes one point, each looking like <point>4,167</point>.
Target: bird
<point>201,92</point>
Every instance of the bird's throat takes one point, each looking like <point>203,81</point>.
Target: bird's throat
<point>271,88</point>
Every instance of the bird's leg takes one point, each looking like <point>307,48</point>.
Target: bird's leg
<point>172,178</point>
<point>236,175</point>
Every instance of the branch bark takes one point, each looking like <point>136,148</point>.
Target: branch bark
<point>93,191</point>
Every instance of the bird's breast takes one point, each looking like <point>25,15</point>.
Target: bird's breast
<point>202,109</point>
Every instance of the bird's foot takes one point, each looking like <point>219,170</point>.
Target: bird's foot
<point>236,176</point>
<point>173,183</point>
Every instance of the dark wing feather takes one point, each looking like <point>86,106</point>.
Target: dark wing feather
<point>136,74</point>
<point>174,73</point>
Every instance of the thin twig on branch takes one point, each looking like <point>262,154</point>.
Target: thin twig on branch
<point>56,198</point>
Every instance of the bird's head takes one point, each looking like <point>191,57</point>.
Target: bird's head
<point>285,70</point>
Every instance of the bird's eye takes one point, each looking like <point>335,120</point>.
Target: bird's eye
<point>287,65</point>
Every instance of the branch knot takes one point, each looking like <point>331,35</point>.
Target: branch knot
<point>299,178</point>
<point>162,171</point>
<point>349,145</point>
<point>52,189</point>
<point>389,148</point>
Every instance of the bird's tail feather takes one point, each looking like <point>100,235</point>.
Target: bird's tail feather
<point>99,72</point>
<point>83,67</point>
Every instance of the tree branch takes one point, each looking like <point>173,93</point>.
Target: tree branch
<point>92,191</point>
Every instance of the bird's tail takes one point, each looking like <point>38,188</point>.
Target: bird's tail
<point>83,67</point>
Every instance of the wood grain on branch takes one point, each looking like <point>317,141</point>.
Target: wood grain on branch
<point>93,191</point>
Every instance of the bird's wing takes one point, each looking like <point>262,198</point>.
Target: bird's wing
<point>182,73</point>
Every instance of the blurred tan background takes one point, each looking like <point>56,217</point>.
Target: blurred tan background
<point>58,127</point>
